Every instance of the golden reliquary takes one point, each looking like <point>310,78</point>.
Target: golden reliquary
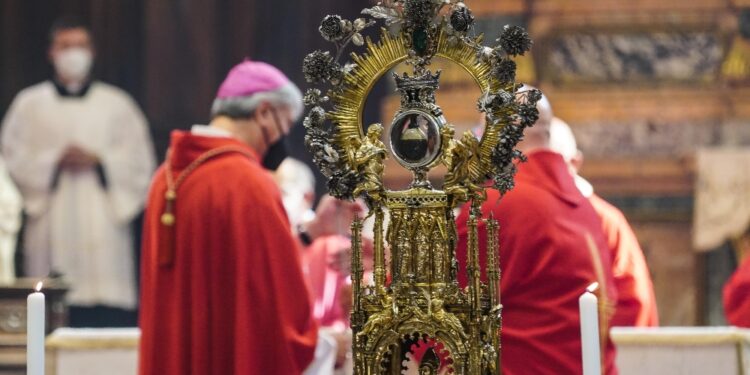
<point>415,318</point>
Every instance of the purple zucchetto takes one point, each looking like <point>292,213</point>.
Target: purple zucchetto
<point>251,77</point>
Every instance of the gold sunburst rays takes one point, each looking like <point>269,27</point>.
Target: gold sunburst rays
<point>349,103</point>
<point>382,56</point>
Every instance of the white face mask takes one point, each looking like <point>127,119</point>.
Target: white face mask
<point>74,64</point>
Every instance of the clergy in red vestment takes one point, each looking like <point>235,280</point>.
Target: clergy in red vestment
<point>737,296</point>
<point>636,301</point>
<point>222,289</point>
<point>551,248</point>
<point>326,260</point>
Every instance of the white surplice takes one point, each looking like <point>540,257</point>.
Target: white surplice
<point>76,225</point>
<point>10,222</point>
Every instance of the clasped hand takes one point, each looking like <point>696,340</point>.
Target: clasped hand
<point>77,159</point>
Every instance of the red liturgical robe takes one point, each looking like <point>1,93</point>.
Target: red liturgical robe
<point>551,248</point>
<point>326,283</point>
<point>737,296</point>
<point>229,296</point>
<point>636,303</point>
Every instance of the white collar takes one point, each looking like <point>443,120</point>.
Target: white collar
<point>209,131</point>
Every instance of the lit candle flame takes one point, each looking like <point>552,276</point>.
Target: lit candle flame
<point>593,287</point>
<point>39,286</point>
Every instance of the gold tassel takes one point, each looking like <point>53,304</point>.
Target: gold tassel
<point>166,238</point>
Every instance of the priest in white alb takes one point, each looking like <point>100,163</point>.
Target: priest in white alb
<point>81,154</point>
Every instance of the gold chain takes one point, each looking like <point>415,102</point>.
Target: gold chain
<point>168,218</point>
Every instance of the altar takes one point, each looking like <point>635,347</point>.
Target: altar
<point>89,351</point>
<point>658,351</point>
<point>682,350</point>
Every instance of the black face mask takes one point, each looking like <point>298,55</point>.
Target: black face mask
<point>276,152</point>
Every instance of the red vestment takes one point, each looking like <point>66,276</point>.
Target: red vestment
<point>326,283</point>
<point>232,298</point>
<point>737,296</point>
<point>636,303</point>
<point>551,248</point>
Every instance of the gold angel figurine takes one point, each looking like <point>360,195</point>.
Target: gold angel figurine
<point>441,316</point>
<point>380,319</point>
<point>489,358</point>
<point>458,157</point>
<point>367,156</point>
<point>446,135</point>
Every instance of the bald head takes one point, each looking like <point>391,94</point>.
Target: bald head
<point>297,184</point>
<point>538,136</point>
<point>563,141</point>
<point>295,177</point>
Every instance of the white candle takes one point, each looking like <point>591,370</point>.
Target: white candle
<point>35,311</point>
<point>588,305</point>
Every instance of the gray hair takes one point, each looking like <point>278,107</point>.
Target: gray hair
<point>288,96</point>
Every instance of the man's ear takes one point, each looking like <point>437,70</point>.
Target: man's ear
<point>577,161</point>
<point>264,114</point>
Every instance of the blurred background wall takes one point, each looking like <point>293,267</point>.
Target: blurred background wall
<point>643,83</point>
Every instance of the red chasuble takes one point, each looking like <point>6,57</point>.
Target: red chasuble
<point>636,303</point>
<point>222,290</point>
<point>737,296</point>
<point>551,248</point>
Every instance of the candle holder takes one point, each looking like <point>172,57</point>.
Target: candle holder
<point>414,317</point>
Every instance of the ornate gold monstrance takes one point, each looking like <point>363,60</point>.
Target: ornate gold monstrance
<point>414,318</point>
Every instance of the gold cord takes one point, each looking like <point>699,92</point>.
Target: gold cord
<point>168,218</point>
